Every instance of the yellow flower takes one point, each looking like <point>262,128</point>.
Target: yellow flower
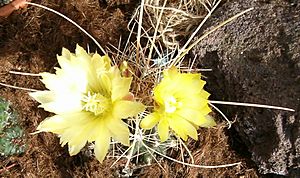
<point>181,103</point>
<point>90,99</point>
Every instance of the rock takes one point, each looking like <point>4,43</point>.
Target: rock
<point>256,59</point>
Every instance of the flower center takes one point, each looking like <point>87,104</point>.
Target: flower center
<point>171,104</point>
<point>95,103</point>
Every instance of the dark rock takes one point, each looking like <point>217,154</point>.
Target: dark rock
<point>256,59</point>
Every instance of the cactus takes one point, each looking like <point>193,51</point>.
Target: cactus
<point>11,133</point>
<point>4,2</point>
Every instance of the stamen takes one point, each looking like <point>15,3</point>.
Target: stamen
<point>95,103</point>
<point>171,104</point>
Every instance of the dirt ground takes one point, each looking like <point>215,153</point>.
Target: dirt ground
<point>29,42</point>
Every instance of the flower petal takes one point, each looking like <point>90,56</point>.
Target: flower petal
<point>51,81</point>
<point>105,84</point>
<point>124,108</point>
<point>163,130</point>
<point>176,126</point>
<point>80,52</point>
<point>194,101</point>
<point>205,110</point>
<point>118,129</point>
<point>183,128</point>
<point>54,124</point>
<point>150,121</point>
<point>195,116</point>
<point>106,62</point>
<point>120,88</point>
<point>102,144</point>
<point>57,124</point>
<point>191,115</point>
<point>204,94</point>
<point>74,149</point>
<point>66,53</point>
<point>207,121</point>
<point>101,64</point>
<point>64,63</point>
<point>77,136</point>
<point>171,73</point>
<point>43,96</point>
<point>64,104</point>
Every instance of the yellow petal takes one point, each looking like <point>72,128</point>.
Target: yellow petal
<point>106,83</point>
<point>192,80</point>
<point>51,81</point>
<point>163,130</point>
<point>207,121</point>
<point>178,128</point>
<point>94,69</point>
<point>194,102</point>
<point>79,132</point>
<point>76,136</point>
<point>150,121</point>
<point>171,73</point>
<point>75,81</point>
<point>120,87</point>
<point>54,124</point>
<point>101,64</point>
<point>43,96</point>
<point>204,94</point>
<point>102,144</point>
<point>119,130</point>
<point>205,110</point>
<point>183,128</point>
<point>80,52</point>
<point>66,53</point>
<point>124,109</point>
<point>74,149</point>
<point>64,62</point>
<point>106,62</point>
<point>64,104</point>
<point>191,115</point>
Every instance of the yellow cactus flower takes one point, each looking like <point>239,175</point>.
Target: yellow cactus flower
<point>90,99</point>
<point>181,104</point>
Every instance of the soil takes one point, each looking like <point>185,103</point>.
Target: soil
<point>29,42</point>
